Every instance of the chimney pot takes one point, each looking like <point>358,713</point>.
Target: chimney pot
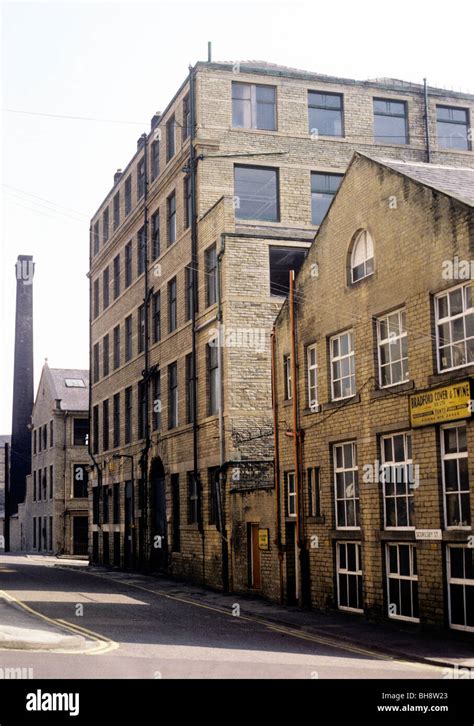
<point>117,176</point>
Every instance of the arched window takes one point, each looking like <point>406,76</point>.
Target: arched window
<point>362,259</point>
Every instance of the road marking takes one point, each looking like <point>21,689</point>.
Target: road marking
<point>271,626</point>
<point>105,645</point>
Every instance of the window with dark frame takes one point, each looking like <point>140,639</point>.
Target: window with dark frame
<point>96,362</point>
<point>156,402</point>
<point>213,484</point>
<point>51,481</point>
<point>51,432</point>
<point>156,316</point>
<point>189,388</point>
<point>95,429</point>
<point>80,481</point>
<point>128,264</point>
<point>172,395</point>
<point>188,284</point>
<point>187,201</point>
<point>141,409</point>
<point>128,338</point>
<point>194,499</point>
<point>213,377</point>
<point>253,106</point>
<point>128,415</point>
<point>140,178</point>
<point>288,391</point>
<point>95,238</point>
<point>34,486</point>
<point>176,512</point>
<point>116,347</point>
<point>453,128</point>
<point>314,491</point>
<point>116,418</point>
<point>96,298</point>
<point>323,189</point>
<point>141,251</point>
<point>155,159</point>
<point>128,194</point>
<point>170,138</point>
<point>186,118</point>
<point>141,328</point>
<point>105,225</point>
<point>105,288</point>
<point>390,121</point>
<point>325,114</point>
<point>155,235</point>
<point>116,204</point>
<point>105,355</point>
<point>116,505</point>
<point>80,432</point>
<point>281,261</point>
<point>172,305</point>
<point>210,270</point>
<point>116,264</point>
<point>256,193</point>
<point>171,218</point>
<point>105,425</point>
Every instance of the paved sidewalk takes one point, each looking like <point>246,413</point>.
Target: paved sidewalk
<point>22,630</point>
<point>396,639</point>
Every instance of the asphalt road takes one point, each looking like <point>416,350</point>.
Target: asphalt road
<point>148,635</point>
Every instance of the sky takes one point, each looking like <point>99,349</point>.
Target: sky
<point>114,65</point>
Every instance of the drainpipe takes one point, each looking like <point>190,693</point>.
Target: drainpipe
<point>277,464</point>
<point>146,378</point>
<point>296,434</point>
<point>89,441</point>
<point>64,479</point>
<point>427,122</point>
<point>221,483</point>
<point>194,279</point>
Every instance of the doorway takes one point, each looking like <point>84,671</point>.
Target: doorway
<point>159,534</point>
<point>79,536</point>
<point>255,573</point>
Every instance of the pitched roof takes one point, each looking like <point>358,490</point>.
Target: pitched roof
<point>456,182</point>
<point>72,398</point>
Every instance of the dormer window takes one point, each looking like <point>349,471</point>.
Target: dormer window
<point>362,258</point>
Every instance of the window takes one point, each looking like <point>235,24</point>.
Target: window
<point>156,316</point>
<point>194,499</point>
<point>188,284</point>
<point>34,486</point>
<point>105,424</point>
<point>453,128</point>
<point>398,481</point>
<point>34,441</point>
<point>455,328</point>
<point>116,210</point>
<point>170,138</point>
<point>39,439</point>
<point>95,506</point>
<point>186,118</point>
<point>141,328</point>
<point>155,235</point>
<point>323,189</point>
<point>188,214</point>
<point>128,338</point>
<point>325,114</point>
<point>141,410</point>
<point>213,377</point>
<point>312,368</point>
<point>105,355</point>
<point>34,532</point>
<point>116,505</point>
<point>172,312</point>
<point>128,415</point>
<point>362,257</point>
<point>116,415</point>
<point>51,481</point>
<point>128,264</point>
<point>282,260</point>
<point>189,389</point>
<point>128,194</point>
<point>140,178</point>
<point>39,485</point>
<point>116,276</point>
<point>96,298</point>
<point>141,249</point>
<point>390,121</point>
<point>80,478</point>
<point>176,512</point>
<point>95,237</point>
<point>402,582</point>
<point>95,428</point>
<point>156,417</point>
<point>51,433</point>
<point>342,366</point>
<point>461,587</point>
<point>80,432</point>
<point>314,492</point>
<point>155,159</point>
<point>290,494</point>
<point>392,348</point>
<point>213,488</point>
<point>171,218</point>
<point>455,474</point>
<point>96,362</point>
<point>253,106</point>
<point>287,377</point>
<point>349,576</point>
<point>105,225</point>
<point>50,533</point>
<point>105,507</point>
<point>172,395</point>
<point>210,257</point>
<point>74,383</point>
<point>105,288</point>
<point>116,347</point>
<point>346,486</point>
<point>45,437</point>
<point>256,193</point>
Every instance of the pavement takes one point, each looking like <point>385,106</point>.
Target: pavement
<point>143,626</point>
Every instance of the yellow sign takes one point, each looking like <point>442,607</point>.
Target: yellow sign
<point>439,405</point>
<point>263,539</point>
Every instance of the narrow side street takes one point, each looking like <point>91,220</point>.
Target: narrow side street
<point>156,630</point>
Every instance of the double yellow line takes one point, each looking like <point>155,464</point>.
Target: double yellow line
<point>104,645</point>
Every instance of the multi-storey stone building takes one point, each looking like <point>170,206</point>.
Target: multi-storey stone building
<point>373,372</point>
<point>192,245</point>
<point>54,516</point>
<point>3,440</point>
